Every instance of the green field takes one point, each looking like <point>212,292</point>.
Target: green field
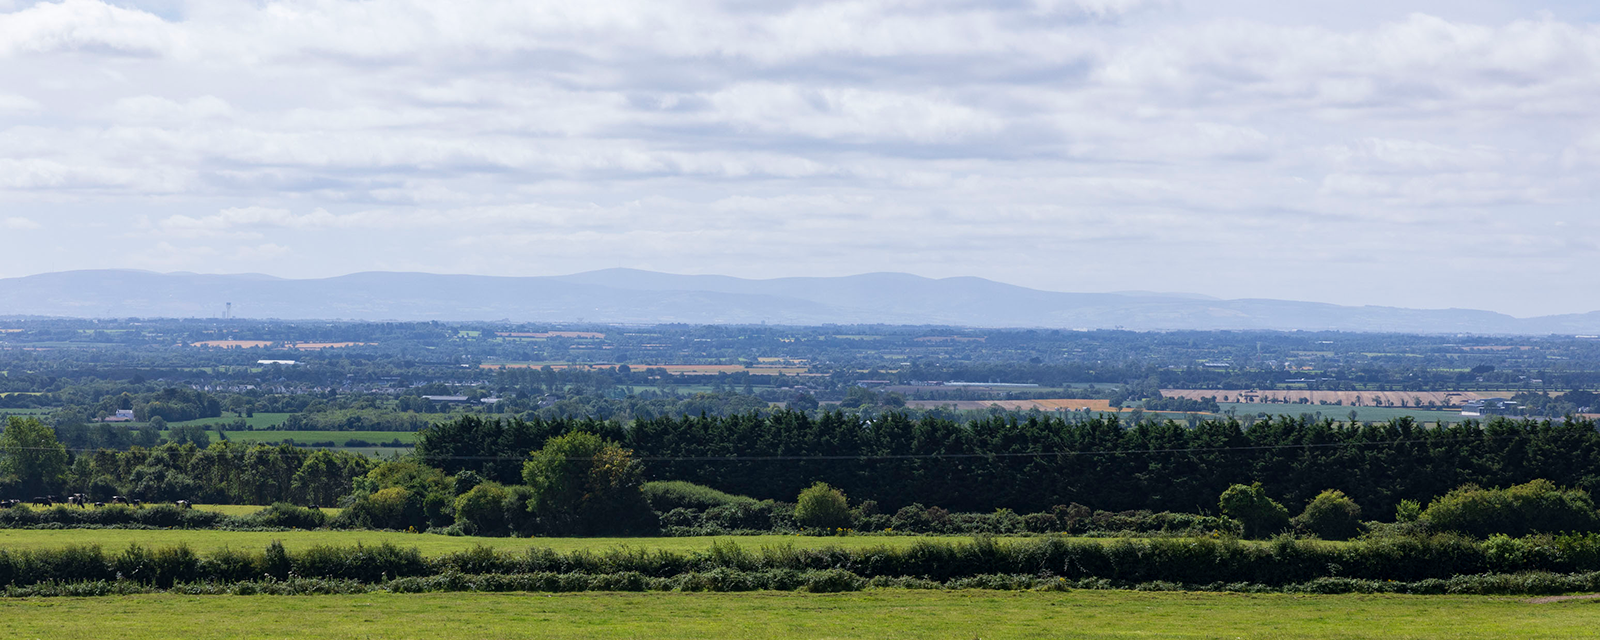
<point>955,615</point>
<point>303,437</point>
<point>257,421</point>
<point>1338,412</point>
<point>114,540</point>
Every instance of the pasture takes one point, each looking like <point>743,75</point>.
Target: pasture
<point>886,613</point>
<point>205,540</point>
<point>304,437</point>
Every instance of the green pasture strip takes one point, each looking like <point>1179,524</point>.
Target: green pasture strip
<point>248,509</point>
<point>205,541</point>
<point>1342,412</point>
<point>884,613</point>
<point>258,421</point>
<point>303,437</point>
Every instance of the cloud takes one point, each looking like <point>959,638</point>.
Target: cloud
<point>18,224</point>
<point>1071,144</point>
<point>85,26</point>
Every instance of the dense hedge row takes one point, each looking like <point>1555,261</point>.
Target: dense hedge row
<point>166,516</point>
<point>832,580</point>
<point>750,516</point>
<point>1178,561</point>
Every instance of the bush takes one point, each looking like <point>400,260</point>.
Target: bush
<point>1260,515</point>
<point>677,494</point>
<point>288,516</point>
<point>587,485</point>
<point>1331,516</point>
<point>1538,506</point>
<point>1407,511</point>
<point>822,507</point>
<point>482,509</point>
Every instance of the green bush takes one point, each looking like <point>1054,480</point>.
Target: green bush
<point>1261,515</point>
<point>665,496</point>
<point>289,516</point>
<point>584,484</point>
<point>482,509</point>
<point>1407,511</point>
<point>1331,516</point>
<point>1534,507</point>
<point>821,506</point>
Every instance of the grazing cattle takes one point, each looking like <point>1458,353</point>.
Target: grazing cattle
<point>137,503</point>
<point>99,504</point>
<point>119,499</point>
<point>42,501</point>
<point>183,504</point>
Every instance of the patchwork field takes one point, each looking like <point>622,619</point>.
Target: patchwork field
<point>867,614</point>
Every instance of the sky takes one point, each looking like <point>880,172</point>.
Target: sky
<point>1417,154</point>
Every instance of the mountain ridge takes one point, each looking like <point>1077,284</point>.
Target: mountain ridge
<point>648,297</point>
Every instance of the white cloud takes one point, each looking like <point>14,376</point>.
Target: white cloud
<point>1072,144</point>
<point>18,224</point>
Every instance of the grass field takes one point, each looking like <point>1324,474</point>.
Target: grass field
<point>257,421</point>
<point>868,614</point>
<point>114,540</point>
<point>303,437</point>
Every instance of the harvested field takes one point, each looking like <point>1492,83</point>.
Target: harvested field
<point>313,346</point>
<point>1346,398</point>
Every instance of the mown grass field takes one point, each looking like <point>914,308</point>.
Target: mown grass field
<point>115,540</point>
<point>869,614</point>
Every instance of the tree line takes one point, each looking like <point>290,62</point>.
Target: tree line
<point>1032,462</point>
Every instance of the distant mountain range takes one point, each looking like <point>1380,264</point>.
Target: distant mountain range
<point>632,296</point>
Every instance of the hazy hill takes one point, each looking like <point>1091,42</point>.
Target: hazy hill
<point>626,295</point>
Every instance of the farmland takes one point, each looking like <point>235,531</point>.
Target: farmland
<point>868,614</point>
<point>305,437</point>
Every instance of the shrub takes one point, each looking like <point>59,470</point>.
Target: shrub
<point>585,484</point>
<point>1538,506</point>
<point>1261,515</point>
<point>1331,516</point>
<point>675,494</point>
<point>822,507</point>
<point>1407,511</point>
<point>482,509</point>
<point>288,516</point>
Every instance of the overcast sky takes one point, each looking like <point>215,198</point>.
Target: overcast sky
<point>1423,154</point>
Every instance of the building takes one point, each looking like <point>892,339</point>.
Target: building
<point>122,415</point>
